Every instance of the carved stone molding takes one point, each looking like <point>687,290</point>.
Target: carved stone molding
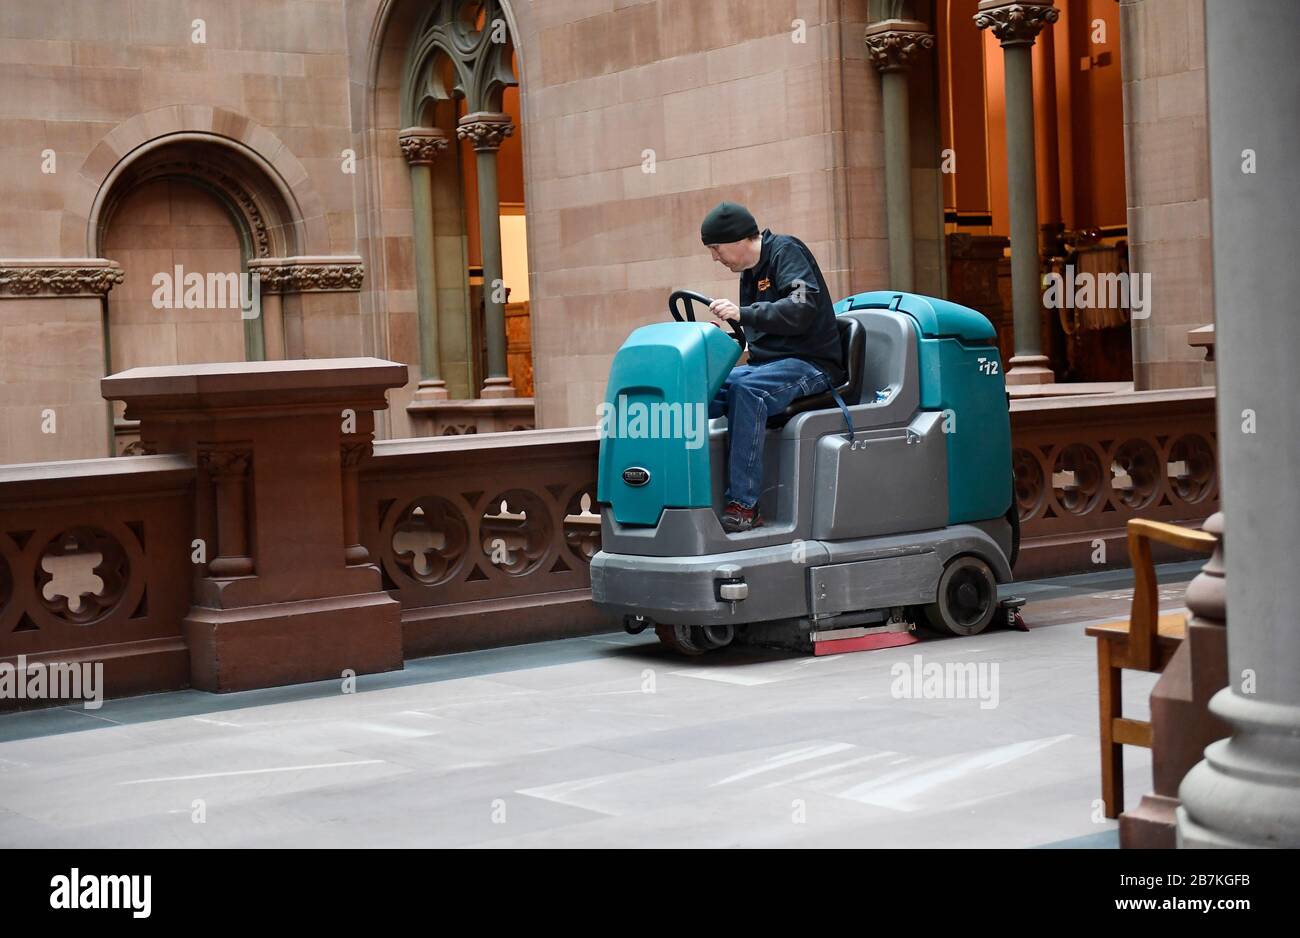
<point>353,450</point>
<point>423,144</point>
<point>308,274</point>
<point>892,45</point>
<point>58,276</point>
<point>485,130</point>
<point>1016,23</point>
<point>140,448</point>
<point>82,603</point>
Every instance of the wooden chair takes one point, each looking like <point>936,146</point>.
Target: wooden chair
<point>1143,642</point>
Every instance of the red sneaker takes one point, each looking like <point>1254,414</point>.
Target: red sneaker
<point>737,518</point>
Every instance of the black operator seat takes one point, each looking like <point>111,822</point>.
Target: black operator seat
<point>852,343</point>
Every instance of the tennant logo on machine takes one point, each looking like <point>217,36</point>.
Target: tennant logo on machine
<point>636,476</point>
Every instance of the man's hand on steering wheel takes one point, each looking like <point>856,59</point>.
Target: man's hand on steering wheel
<point>680,308</point>
<point>725,310</point>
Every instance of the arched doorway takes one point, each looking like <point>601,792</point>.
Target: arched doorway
<point>460,114</point>
<point>184,218</point>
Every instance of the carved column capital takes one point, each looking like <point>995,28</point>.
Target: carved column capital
<point>423,144</point>
<point>485,129</point>
<point>354,449</point>
<point>1016,22</point>
<point>140,448</point>
<point>223,464</point>
<point>892,45</point>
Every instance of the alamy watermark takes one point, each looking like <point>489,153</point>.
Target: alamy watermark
<point>58,680</point>
<point>657,420</point>
<point>951,680</point>
<point>177,289</point>
<point>80,890</point>
<point>1108,290</point>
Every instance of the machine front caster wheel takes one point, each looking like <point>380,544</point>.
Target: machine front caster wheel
<point>713,636</point>
<point>967,598</point>
<point>679,639</point>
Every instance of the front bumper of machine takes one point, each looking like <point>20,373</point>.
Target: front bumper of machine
<point>803,579</point>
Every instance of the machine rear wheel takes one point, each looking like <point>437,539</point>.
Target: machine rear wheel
<point>967,598</point>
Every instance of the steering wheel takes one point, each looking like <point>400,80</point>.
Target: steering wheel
<point>690,296</point>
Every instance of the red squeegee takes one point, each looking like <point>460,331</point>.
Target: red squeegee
<point>839,641</point>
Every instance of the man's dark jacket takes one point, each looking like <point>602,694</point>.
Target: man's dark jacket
<point>786,309</point>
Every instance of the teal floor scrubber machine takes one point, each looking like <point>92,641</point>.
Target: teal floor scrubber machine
<point>907,516</point>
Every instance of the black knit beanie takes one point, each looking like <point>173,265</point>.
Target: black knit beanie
<point>728,222</point>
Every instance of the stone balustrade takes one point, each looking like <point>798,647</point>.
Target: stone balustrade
<point>95,567</point>
<point>1085,465</point>
<point>263,538</point>
<point>485,539</point>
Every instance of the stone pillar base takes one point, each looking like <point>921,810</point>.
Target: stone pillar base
<point>293,642</point>
<point>497,389</point>
<point>1029,369</point>
<point>432,389</point>
<point>1243,793</point>
<point>1193,836</point>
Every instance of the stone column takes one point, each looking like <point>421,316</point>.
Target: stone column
<point>1016,23</point>
<point>486,130</point>
<point>1046,135</point>
<point>421,146</point>
<point>228,470</point>
<point>892,45</point>
<point>272,310</point>
<point>352,452</point>
<point>1246,793</point>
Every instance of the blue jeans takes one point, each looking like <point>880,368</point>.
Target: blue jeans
<point>750,395</point>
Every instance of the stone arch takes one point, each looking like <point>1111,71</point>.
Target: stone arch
<point>479,68</point>
<point>404,15</point>
<point>228,162</point>
<point>269,224</point>
<point>261,174</point>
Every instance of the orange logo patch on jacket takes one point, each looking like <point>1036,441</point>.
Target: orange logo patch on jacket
<point>765,284</point>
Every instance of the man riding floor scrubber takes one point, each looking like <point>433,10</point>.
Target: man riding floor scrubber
<point>908,514</point>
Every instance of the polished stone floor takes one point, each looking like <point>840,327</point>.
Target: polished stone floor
<point>609,741</point>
